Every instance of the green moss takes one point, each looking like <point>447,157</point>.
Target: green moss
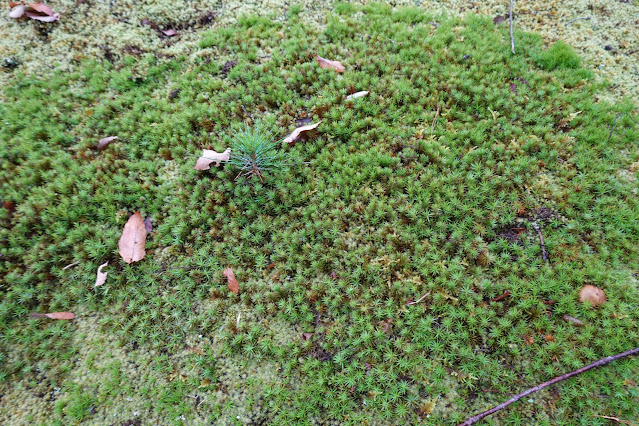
<point>429,185</point>
<point>559,56</point>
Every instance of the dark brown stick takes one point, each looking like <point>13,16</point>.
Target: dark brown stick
<point>544,255</point>
<point>603,361</point>
<point>512,38</point>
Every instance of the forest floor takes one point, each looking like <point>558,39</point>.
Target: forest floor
<point>392,274</point>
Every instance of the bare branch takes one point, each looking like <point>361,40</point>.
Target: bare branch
<point>603,361</point>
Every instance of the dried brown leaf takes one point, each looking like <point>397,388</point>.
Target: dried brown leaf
<point>169,32</point>
<point>328,64</point>
<point>17,11</point>
<point>234,286</point>
<point>133,239</point>
<point>41,12</point>
<point>42,8</point>
<point>104,142</point>
<point>102,276</point>
<point>292,138</point>
<point>208,157</point>
<point>55,315</point>
<point>499,19</point>
<point>357,95</point>
<point>42,18</point>
<point>148,225</point>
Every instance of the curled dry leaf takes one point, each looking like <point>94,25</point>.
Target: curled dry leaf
<point>573,320</point>
<point>592,294</point>
<point>41,8</point>
<point>133,239</point>
<point>38,11</point>
<point>17,11</point>
<point>55,315</point>
<point>169,32</point>
<point>148,225</point>
<point>292,138</point>
<point>208,157</point>
<point>234,286</point>
<point>328,64</point>
<point>357,95</point>
<point>102,276</point>
<point>104,142</point>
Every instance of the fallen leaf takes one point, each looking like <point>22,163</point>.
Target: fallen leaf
<point>292,138</point>
<point>104,142</point>
<point>573,320</point>
<point>307,336</point>
<point>234,286</point>
<point>384,325</point>
<point>593,295</point>
<point>169,33</point>
<point>499,19</point>
<point>357,95</point>
<point>42,18</point>
<point>148,225</point>
<point>208,157</point>
<point>102,276</point>
<point>14,4</point>
<point>328,64</point>
<point>42,8</point>
<point>529,340</point>
<point>55,315</point>
<point>133,239</point>
<point>17,11</point>
<point>41,12</point>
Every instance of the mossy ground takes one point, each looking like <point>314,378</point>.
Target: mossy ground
<point>397,200</point>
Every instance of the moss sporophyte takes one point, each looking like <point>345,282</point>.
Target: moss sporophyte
<point>429,185</point>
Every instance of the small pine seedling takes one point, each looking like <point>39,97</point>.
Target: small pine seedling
<point>254,151</point>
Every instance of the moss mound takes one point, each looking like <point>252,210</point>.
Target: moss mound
<point>435,183</point>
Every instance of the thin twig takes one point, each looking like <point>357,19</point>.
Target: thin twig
<point>585,18</point>
<point>419,300</point>
<point>246,112</point>
<point>603,361</point>
<point>432,126</point>
<point>544,255</point>
<point>512,38</point>
<point>618,420</point>
<point>506,294</point>
<point>614,124</point>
